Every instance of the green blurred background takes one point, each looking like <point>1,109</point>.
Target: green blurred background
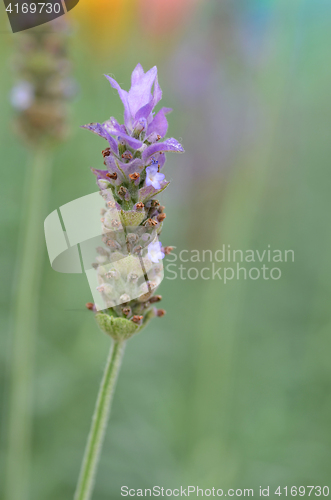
<point>232,388</point>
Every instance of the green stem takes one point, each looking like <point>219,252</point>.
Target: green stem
<point>24,324</point>
<point>99,422</point>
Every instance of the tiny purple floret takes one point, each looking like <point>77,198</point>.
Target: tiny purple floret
<point>155,252</point>
<point>153,177</point>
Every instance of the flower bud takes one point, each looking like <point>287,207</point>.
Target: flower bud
<point>105,288</point>
<point>155,298</point>
<point>153,137</point>
<point>113,274</point>
<point>161,217</point>
<point>133,277</point>
<point>103,184</point>
<point>146,237</point>
<point>137,249</point>
<point>139,127</point>
<point>123,192</point>
<point>112,175</point>
<point>150,222</point>
<point>137,319</point>
<point>132,238</point>
<point>167,250</point>
<point>101,251</point>
<point>106,152</point>
<point>152,203</point>
<point>125,298</point>
<point>121,146</point>
<point>127,155</point>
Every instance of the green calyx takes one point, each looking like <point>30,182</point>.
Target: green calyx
<point>117,328</point>
<point>121,328</point>
<point>132,217</point>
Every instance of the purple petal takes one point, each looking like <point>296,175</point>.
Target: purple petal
<point>136,165</point>
<point>112,166</point>
<point>148,192</point>
<point>98,129</point>
<point>140,125</point>
<point>153,177</point>
<point>167,145</point>
<point>102,175</point>
<point>124,96</point>
<point>137,74</point>
<point>131,141</point>
<point>124,169</point>
<point>157,94</point>
<point>113,127</point>
<point>159,177</point>
<point>110,163</point>
<point>159,123</point>
<point>152,138</point>
<point>140,92</point>
<point>161,158</point>
<point>145,111</point>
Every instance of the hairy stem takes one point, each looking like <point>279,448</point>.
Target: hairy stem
<point>99,422</point>
<point>24,324</point>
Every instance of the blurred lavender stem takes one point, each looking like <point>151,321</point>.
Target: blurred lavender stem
<point>39,96</point>
<point>25,310</point>
<point>99,421</point>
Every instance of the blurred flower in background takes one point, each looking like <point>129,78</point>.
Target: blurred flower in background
<point>43,84</point>
<point>106,24</point>
<point>110,24</point>
<point>22,95</point>
<point>214,86</point>
<point>162,18</point>
<point>39,97</point>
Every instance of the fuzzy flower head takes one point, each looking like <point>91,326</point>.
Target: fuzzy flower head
<point>155,252</point>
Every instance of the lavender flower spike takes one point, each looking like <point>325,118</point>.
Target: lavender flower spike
<point>128,266</point>
<point>129,185</point>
